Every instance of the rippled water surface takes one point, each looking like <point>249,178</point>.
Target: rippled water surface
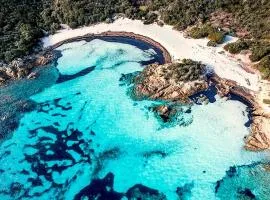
<point>86,126</point>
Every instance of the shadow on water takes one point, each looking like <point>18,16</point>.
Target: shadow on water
<point>210,93</point>
<point>63,78</point>
<point>234,97</point>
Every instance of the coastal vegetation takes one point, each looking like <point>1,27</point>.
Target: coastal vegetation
<point>187,70</point>
<point>264,67</point>
<point>266,101</point>
<point>19,27</point>
<point>215,35</point>
<point>237,47</point>
<point>22,23</point>
<point>260,51</point>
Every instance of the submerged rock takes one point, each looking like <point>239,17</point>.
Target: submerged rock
<point>202,99</point>
<point>15,98</point>
<point>128,79</point>
<point>172,114</point>
<point>152,153</point>
<point>165,112</point>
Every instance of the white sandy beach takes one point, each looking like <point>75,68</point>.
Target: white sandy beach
<point>177,45</point>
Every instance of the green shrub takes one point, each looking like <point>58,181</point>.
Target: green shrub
<point>216,37</point>
<point>237,47</point>
<point>187,70</point>
<point>259,50</point>
<point>211,44</point>
<point>264,67</point>
<point>266,101</point>
<point>248,15</point>
<point>200,32</point>
<point>206,30</point>
<point>150,18</point>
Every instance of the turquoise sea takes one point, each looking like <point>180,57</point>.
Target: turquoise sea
<point>87,139</point>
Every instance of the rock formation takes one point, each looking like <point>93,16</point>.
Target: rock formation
<point>165,112</point>
<point>21,68</point>
<point>259,138</point>
<point>173,82</point>
<point>178,81</point>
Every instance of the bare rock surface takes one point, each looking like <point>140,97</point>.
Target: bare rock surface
<point>173,82</point>
<point>21,68</point>
<point>259,138</point>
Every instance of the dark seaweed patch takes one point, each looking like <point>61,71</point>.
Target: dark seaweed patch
<point>101,189</point>
<point>102,157</point>
<point>218,183</point>
<point>150,154</point>
<point>184,192</point>
<point>140,191</point>
<point>247,193</point>
<point>231,172</point>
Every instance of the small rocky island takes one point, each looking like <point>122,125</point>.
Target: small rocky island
<point>172,81</point>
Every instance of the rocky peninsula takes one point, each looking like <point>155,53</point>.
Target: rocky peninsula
<point>177,82</point>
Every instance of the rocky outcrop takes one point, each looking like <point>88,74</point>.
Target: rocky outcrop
<point>173,82</point>
<point>21,68</point>
<point>165,112</point>
<point>226,87</point>
<point>245,182</point>
<point>178,81</point>
<point>259,138</point>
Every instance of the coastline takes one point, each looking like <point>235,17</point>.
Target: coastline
<point>230,76</point>
<point>175,42</point>
<point>234,73</point>
<point>88,37</point>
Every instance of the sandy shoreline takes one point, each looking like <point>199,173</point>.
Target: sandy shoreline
<point>236,72</point>
<point>176,44</point>
<point>89,37</point>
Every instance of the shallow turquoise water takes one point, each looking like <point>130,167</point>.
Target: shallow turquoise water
<point>87,126</point>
